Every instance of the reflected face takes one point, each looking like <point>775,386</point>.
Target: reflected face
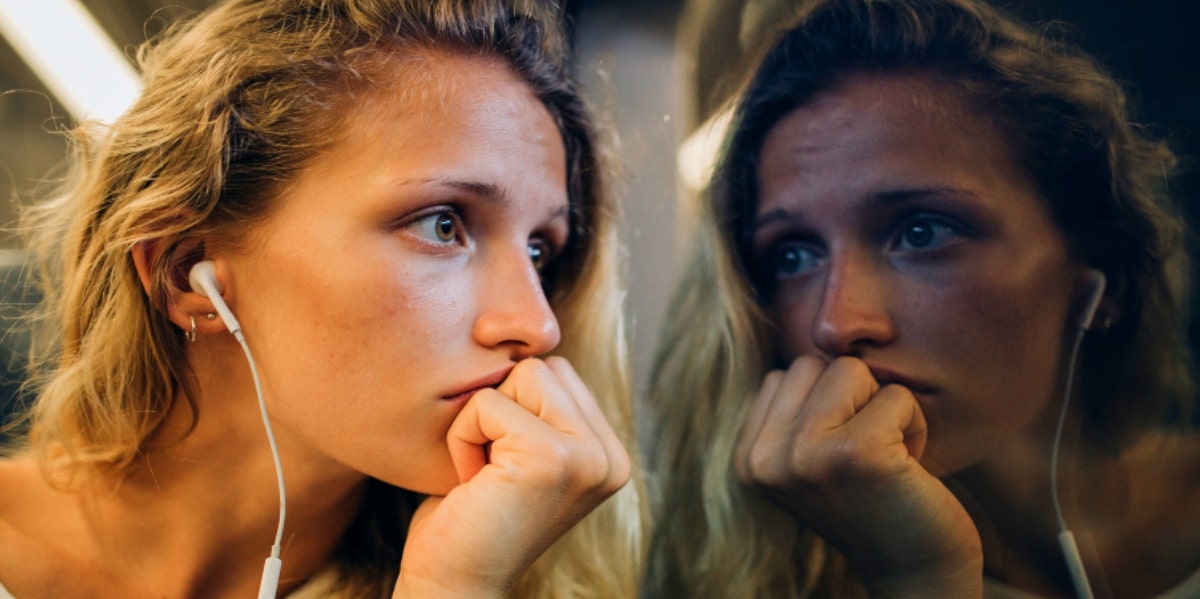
<point>401,271</point>
<point>894,226</point>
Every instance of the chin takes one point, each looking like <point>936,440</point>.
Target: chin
<point>435,481</point>
<point>935,468</point>
<point>938,464</point>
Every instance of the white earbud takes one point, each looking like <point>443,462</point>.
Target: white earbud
<point>1066,539</point>
<point>1096,283</point>
<point>203,279</point>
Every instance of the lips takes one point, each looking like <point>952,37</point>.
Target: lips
<point>887,377</point>
<point>465,392</point>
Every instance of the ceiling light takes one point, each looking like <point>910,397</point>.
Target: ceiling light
<point>71,54</point>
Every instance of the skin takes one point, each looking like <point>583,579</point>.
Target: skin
<point>925,301</point>
<point>914,270</point>
<point>394,305</point>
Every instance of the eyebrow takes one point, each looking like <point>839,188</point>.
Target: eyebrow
<point>486,191</point>
<point>881,199</point>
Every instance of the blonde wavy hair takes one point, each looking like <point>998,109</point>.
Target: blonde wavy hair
<point>236,102</point>
<point>1065,122</point>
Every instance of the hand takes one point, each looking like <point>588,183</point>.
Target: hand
<point>825,443</point>
<point>535,455</point>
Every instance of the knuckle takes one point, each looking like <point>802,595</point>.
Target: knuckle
<point>808,363</point>
<point>571,464</point>
<point>850,366</point>
<point>762,466</point>
<point>527,367</point>
<point>553,466</point>
<point>845,460</point>
<point>894,391</point>
<point>771,378</point>
<point>555,362</point>
<point>592,468</point>
<point>619,472</point>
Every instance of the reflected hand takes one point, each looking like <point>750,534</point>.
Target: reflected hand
<point>841,454</point>
<point>535,455</point>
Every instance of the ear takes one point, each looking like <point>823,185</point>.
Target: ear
<point>163,273</point>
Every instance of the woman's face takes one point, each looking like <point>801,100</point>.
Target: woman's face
<point>894,226</point>
<point>400,271</point>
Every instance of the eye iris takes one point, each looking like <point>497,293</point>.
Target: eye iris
<point>445,228</point>
<point>537,255</point>
<point>919,235</point>
<point>787,261</point>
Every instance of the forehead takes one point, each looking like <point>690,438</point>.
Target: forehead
<point>461,104</point>
<point>424,83</point>
<point>902,107</point>
<point>440,118</point>
<point>872,132</point>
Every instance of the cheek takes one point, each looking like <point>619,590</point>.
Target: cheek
<point>412,307</point>
<point>997,350</point>
<point>413,310</point>
<point>361,341</point>
<point>795,319</point>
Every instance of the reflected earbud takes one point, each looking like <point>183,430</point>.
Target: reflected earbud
<point>1096,283</point>
<point>1066,539</point>
<point>203,279</point>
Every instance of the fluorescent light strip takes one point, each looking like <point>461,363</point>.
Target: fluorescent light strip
<point>72,55</point>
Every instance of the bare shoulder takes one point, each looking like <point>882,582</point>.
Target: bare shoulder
<point>1170,462</point>
<point>20,480</point>
<point>22,494</point>
<point>1166,492</point>
<point>17,476</point>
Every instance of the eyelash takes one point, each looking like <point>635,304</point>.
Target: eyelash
<point>432,217</point>
<point>936,223</point>
<point>546,251</point>
<point>770,260</point>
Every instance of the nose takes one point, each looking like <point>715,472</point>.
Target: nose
<point>514,314</point>
<point>852,314</point>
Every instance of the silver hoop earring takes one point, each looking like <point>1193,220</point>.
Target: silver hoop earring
<point>191,335</point>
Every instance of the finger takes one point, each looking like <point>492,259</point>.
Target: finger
<point>594,417</point>
<point>578,391</point>
<point>487,417</point>
<point>794,390</point>
<point>771,426</point>
<point>759,408</point>
<point>895,416</point>
<point>535,387</point>
<point>843,389</point>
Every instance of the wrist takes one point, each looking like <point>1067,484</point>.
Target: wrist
<point>959,578</point>
<point>409,588</point>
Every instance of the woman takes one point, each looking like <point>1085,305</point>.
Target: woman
<point>401,203</point>
<point>871,383</point>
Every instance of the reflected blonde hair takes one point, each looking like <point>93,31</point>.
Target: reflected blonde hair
<point>236,102</point>
<point>1065,123</point>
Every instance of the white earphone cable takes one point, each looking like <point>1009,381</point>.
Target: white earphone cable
<point>1066,539</point>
